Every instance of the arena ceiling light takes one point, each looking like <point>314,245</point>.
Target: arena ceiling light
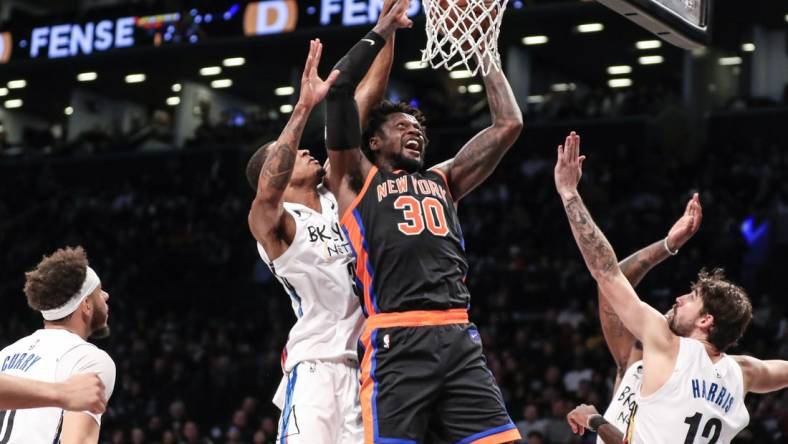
<point>730,61</point>
<point>475,88</point>
<point>176,87</point>
<point>415,64</point>
<point>3,92</point>
<point>535,99</point>
<point>531,40</point>
<point>286,108</point>
<point>651,60</point>
<point>17,84</point>
<point>460,74</point>
<point>586,28</point>
<point>135,78</point>
<point>173,101</point>
<point>748,47</point>
<point>617,70</point>
<point>210,71</point>
<point>648,44</point>
<point>284,91</point>
<point>68,111</point>
<point>619,83</point>
<point>87,76</point>
<point>563,87</point>
<point>221,83</point>
<point>462,89</point>
<point>13,103</point>
<point>234,61</point>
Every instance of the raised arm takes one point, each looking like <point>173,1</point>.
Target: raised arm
<point>268,221</point>
<point>372,88</point>
<point>763,376</point>
<point>619,340</point>
<point>80,392</point>
<point>349,166</point>
<point>477,159</point>
<point>642,320</point>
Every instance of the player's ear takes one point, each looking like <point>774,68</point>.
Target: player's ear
<point>706,322</point>
<point>374,143</point>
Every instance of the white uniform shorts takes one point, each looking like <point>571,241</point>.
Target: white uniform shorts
<point>320,404</point>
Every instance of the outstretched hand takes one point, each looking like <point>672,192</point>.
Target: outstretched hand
<point>687,225</point>
<point>313,88</point>
<point>393,16</point>
<point>578,418</point>
<point>569,165</point>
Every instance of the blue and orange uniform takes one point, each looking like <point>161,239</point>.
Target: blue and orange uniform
<point>423,376</point>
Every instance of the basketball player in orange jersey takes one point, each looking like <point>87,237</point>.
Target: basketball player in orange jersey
<point>691,391</point>
<point>424,376</point>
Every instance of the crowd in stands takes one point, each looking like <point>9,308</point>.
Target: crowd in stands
<point>198,322</point>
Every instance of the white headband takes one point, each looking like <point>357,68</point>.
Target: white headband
<point>92,282</point>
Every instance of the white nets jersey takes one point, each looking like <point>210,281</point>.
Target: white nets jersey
<point>623,402</point>
<point>50,355</point>
<point>316,271</point>
<point>701,403</point>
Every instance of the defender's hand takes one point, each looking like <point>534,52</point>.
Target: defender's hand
<point>578,418</point>
<point>569,166</point>
<point>687,225</point>
<point>81,392</point>
<point>313,88</point>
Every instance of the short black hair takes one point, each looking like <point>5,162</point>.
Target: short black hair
<point>255,164</point>
<point>378,116</point>
<point>56,279</point>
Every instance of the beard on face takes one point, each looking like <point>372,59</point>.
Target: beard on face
<point>98,325</point>
<point>408,164</point>
<point>676,327</point>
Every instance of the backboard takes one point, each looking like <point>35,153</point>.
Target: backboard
<point>684,23</point>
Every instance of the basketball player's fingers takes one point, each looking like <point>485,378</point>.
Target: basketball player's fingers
<point>332,77</point>
<point>580,160</point>
<point>575,145</point>
<point>316,60</point>
<point>560,154</point>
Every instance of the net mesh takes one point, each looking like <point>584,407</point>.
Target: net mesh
<point>463,33</point>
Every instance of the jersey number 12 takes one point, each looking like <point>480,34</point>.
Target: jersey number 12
<point>694,423</point>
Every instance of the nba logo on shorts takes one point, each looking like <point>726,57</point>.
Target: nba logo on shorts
<point>474,334</point>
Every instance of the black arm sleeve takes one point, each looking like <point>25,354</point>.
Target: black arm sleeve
<point>343,127</point>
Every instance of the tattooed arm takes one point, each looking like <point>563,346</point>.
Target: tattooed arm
<point>478,158</point>
<point>643,321</point>
<point>619,340</point>
<point>269,223</point>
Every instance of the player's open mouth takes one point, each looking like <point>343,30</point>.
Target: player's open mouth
<point>414,146</point>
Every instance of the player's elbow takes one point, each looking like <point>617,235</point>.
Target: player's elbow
<point>342,89</point>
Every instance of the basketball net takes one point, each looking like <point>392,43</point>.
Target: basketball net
<point>463,35</point>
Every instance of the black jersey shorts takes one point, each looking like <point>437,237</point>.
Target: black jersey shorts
<point>424,379</point>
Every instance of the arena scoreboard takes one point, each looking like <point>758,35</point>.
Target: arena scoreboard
<point>684,23</point>
<point>109,29</point>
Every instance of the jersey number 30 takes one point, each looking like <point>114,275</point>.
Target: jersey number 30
<point>429,212</point>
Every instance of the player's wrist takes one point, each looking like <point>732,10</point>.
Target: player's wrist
<point>594,422</point>
<point>54,394</point>
<point>666,245</point>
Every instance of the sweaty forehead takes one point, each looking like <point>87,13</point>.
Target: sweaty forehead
<point>395,118</point>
